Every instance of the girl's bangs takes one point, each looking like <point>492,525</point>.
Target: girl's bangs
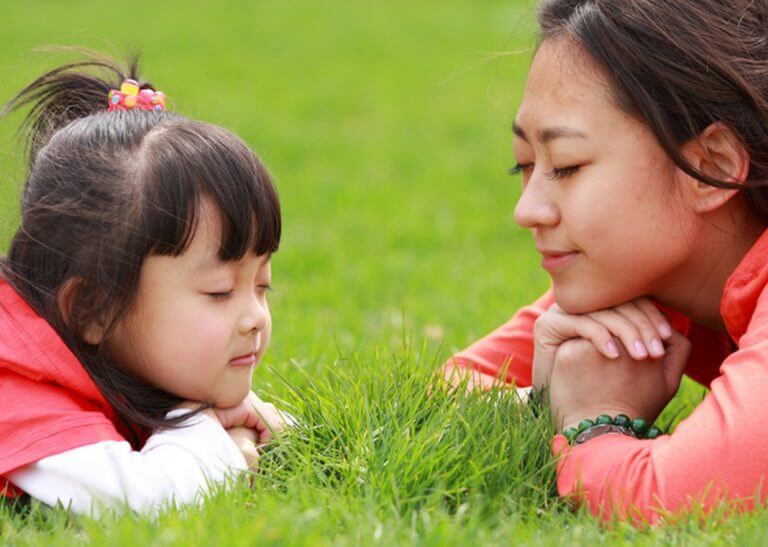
<point>194,161</point>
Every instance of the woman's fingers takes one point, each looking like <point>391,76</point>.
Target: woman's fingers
<point>655,316</point>
<point>555,327</point>
<point>639,341</point>
<point>640,327</point>
<point>650,322</point>
<point>678,352</point>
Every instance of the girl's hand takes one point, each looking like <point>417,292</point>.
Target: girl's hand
<point>458,376</point>
<point>245,439</point>
<point>264,418</point>
<point>638,324</point>
<point>585,383</point>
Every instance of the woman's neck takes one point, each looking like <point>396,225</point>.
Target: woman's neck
<point>696,289</point>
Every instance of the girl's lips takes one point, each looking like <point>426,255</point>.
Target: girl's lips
<point>554,262</point>
<point>243,360</point>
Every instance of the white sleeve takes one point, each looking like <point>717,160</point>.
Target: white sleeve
<point>175,465</point>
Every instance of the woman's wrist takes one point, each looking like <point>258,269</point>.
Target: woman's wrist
<point>573,420</point>
<point>587,429</point>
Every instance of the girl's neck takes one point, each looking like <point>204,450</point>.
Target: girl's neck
<point>696,289</point>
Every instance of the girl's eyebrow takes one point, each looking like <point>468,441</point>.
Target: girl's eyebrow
<point>551,133</point>
<point>212,262</point>
<point>208,264</point>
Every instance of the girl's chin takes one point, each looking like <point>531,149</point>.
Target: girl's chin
<point>232,397</point>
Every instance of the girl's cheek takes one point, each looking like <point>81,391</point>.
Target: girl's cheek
<point>267,333</point>
<point>202,334</point>
<point>212,331</point>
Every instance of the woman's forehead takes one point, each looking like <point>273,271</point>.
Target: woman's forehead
<point>565,88</point>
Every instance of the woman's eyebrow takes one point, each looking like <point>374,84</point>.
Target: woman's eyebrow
<point>551,133</point>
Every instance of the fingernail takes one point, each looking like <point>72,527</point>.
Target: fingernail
<point>665,330</point>
<point>656,347</point>
<point>613,349</point>
<point>640,349</point>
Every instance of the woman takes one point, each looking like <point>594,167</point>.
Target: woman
<point>642,141</point>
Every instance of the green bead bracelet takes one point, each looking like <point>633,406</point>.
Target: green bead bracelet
<point>639,427</point>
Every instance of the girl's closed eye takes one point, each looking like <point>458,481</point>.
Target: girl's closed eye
<point>263,288</point>
<point>223,295</point>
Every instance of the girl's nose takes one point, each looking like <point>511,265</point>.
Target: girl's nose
<point>255,314</point>
<point>535,208</point>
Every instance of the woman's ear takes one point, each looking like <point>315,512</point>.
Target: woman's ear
<point>717,153</point>
<point>93,333</point>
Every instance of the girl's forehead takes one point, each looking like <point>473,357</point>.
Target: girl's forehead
<point>208,231</point>
<point>205,245</point>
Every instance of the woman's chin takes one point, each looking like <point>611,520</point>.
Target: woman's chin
<point>578,301</point>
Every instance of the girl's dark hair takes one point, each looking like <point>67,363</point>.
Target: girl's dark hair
<point>105,190</point>
<point>678,66</point>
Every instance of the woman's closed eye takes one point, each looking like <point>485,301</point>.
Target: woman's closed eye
<point>519,168</point>
<point>559,173</point>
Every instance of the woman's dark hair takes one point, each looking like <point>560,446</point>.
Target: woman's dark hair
<point>679,66</point>
<point>105,190</point>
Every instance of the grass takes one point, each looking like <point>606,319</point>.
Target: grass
<point>377,459</point>
<point>387,128</point>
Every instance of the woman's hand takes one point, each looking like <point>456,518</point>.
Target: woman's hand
<point>585,383</point>
<point>637,324</point>
<point>264,418</point>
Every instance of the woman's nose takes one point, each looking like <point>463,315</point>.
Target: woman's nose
<point>535,207</point>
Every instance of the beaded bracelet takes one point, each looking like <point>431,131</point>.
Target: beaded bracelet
<point>587,429</point>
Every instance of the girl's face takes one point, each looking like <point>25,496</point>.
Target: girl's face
<point>598,190</point>
<point>198,326</point>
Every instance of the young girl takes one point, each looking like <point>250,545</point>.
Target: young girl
<point>642,141</point>
<point>133,300</point>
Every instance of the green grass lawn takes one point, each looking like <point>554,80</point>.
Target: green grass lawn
<point>386,125</point>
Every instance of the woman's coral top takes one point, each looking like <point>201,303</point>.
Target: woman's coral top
<point>719,452</point>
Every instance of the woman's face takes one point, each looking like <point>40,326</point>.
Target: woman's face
<point>598,190</point>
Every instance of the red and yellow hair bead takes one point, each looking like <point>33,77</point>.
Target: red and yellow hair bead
<point>130,96</point>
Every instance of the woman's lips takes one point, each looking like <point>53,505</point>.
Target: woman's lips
<point>243,360</point>
<point>553,262</point>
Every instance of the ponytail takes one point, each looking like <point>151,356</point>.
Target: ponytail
<point>67,93</point>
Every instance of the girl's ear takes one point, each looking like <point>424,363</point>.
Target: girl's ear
<point>93,332</point>
<point>719,154</point>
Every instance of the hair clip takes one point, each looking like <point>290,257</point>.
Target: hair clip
<point>130,96</point>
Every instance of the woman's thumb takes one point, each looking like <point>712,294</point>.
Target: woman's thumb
<point>675,360</point>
